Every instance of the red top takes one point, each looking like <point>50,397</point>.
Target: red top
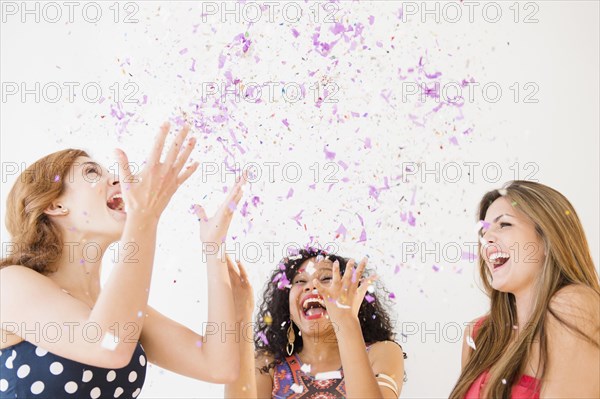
<point>527,387</point>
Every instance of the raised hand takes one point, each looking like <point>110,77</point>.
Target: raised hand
<point>243,295</point>
<point>149,192</point>
<point>214,230</point>
<point>343,296</point>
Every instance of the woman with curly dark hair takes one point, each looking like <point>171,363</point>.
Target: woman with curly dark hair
<point>318,333</point>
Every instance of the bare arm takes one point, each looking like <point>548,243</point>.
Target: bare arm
<point>32,302</point>
<point>252,383</point>
<point>573,362</point>
<point>215,356</point>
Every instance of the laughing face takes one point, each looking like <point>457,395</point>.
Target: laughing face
<point>512,249</point>
<point>307,307</point>
<point>92,196</point>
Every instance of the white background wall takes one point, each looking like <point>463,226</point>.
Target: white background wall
<point>555,138</point>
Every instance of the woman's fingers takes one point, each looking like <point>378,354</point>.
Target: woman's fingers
<point>159,143</point>
<point>176,146</point>
<point>242,269</point>
<point>200,213</point>
<point>187,173</point>
<point>346,279</point>
<point>357,275</point>
<point>124,170</point>
<point>336,274</point>
<point>184,155</point>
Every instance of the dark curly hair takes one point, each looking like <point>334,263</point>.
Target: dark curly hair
<point>271,331</point>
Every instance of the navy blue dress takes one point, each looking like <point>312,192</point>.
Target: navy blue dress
<point>28,371</point>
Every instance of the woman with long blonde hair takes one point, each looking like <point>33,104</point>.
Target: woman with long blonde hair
<point>541,335</point>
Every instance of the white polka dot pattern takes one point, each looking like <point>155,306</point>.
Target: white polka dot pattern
<point>28,371</point>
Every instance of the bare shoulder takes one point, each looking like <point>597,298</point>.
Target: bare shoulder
<point>386,349</point>
<point>576,302</point>
<point>263,361</point>
<point>16,279</point>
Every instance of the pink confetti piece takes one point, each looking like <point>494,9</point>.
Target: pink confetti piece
<point>56,178</point>
<point>369,298</point>
<point>295,33</point>
<point>285,122</point>
<point>435,268</point>
<point>453,140</point>
<point>183,51</point>
<point>392,295</point>
<point>290,193</point>
<point>367,143</point>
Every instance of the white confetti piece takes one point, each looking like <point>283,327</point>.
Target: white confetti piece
<point>470,342</point>
<point>329,375</point>
<point>297,388</point>
<point>310,268</point>
<point>305,368</point>
<point>110,342</point>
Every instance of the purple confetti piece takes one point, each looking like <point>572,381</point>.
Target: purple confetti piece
<point>435,268</point>
<point>56,178</point>
<point>328,154</point>
<point>244,210</point>
<point>392,295</point>
<point>369,298</point>
<point>298,217</point>
<point>341,231</point>
<point>263,337</point>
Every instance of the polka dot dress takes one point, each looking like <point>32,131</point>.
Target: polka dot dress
<point>28,371</point>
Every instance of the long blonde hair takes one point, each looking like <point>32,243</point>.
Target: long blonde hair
<point>568,261</point>
<point>36,241</point>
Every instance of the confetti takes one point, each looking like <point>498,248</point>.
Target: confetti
<point>297,388</point>
<point>305,368</point>
<point>263,337</point>
<point>268,319</point>
<point>369,298</point>
<point>470,342</point>
<point>110,342</point>
<point>328,375</point>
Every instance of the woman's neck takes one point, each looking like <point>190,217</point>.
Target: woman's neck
<point>320,349</point>
<point>78,268</point>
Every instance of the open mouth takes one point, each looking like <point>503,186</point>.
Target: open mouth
<point>313,307</point>
<point>116,203</point>
<point>498,259</point>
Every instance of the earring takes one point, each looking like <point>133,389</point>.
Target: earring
<point>64,210</point>
<point>289,348</point>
